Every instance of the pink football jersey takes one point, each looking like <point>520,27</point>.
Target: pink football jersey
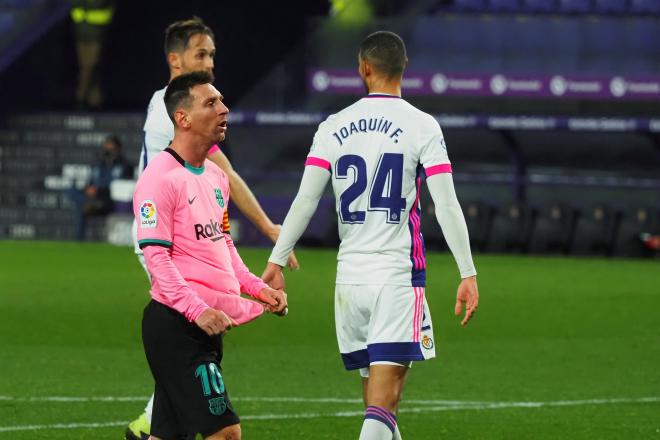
<point>181,208</point>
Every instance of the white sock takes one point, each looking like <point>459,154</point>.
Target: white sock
<point>379,424</point>
<point>149,408</point>
<point>375,430</point>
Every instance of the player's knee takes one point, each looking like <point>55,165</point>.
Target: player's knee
<point>388,401</point>
<point>232,432</point>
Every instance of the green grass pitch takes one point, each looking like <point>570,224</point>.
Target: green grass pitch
<point>560,348</point>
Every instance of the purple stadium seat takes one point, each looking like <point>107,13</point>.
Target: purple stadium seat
<point>573,6</point>
<point>505,5</point>
<point>641,47</point>
<point>645,6</point>
<point>603,45</point>
<point>539,5</point>
<point>610,6</point>
<point>471,5</point>
<point>532,45</point>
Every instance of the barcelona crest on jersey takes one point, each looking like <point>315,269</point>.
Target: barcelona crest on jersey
<point>219,198</point>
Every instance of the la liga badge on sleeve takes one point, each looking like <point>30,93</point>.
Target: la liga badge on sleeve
<point>148,214</point>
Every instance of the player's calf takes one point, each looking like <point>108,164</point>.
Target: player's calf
<point>232,432</point>
<point>382,393</point>
<point>385,386</point>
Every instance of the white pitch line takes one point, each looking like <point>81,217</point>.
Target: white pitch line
<point>69,399</point>
<point>345,400</point>
<point>75,399</point>
<point>62,426</point>
<point>457,406</point>
<point>451,405</point>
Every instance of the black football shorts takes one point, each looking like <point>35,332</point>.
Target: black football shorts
<point>190,393</point>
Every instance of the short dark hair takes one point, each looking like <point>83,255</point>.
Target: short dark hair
<point>386,52</point>
<point>177,94</point>
<point>114,139</point>
<point>178,34</point>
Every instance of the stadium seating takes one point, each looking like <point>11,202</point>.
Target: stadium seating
<point>611,6</point>
<point>505,5</point>
<point>636,221</point>
<point>569,7</point>
<point>574,6</point>
<point>512,228</point>
<point>539,5</point>
<point>554,230</point>
<point>645,6</point>
<point>642,45</point>
<point>582,211</point>
<point>470,5</point>
<point>479,218</point>
<point>596,231</point>
<point>45,154</point>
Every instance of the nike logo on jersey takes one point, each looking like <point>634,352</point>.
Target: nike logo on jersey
<point>190,201</point>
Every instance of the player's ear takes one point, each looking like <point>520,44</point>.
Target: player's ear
<point>366,69</point>
<point>361,66</point>
<point>174,60</point>
<point>182,119</point>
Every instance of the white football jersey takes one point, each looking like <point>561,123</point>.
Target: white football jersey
<point>376,151</point>
<point>158,134</point>
<point>158,129</point>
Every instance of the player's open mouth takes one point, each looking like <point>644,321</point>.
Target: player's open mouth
<point>223,126</point>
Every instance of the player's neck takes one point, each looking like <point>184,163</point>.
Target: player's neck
<point>386,87</point>
<point>174,73</point>
<point>192,150</point>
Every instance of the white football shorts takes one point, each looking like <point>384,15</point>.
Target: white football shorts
<point>377,323</point>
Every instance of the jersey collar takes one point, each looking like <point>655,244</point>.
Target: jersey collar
<point>192,169</point>
<point>382,95</point>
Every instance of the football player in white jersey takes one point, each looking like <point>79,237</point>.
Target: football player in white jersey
<point>189,47</point>
<point>375,152</point>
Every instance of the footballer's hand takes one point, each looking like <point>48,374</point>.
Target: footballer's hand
<point>274,300</point>
<point>214,322</point>
<point>292,262</point>
<point>468,296</point>
<point>273,276</point>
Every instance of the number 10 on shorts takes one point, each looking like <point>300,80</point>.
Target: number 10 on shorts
<point>210,370</point>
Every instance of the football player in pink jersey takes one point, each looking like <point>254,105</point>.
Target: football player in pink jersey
<point>197,275</point>
<point>189,47</point>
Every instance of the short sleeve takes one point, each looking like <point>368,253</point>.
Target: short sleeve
<point>433,155</point>
<point>320,153</point>
<point>154,202</point>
